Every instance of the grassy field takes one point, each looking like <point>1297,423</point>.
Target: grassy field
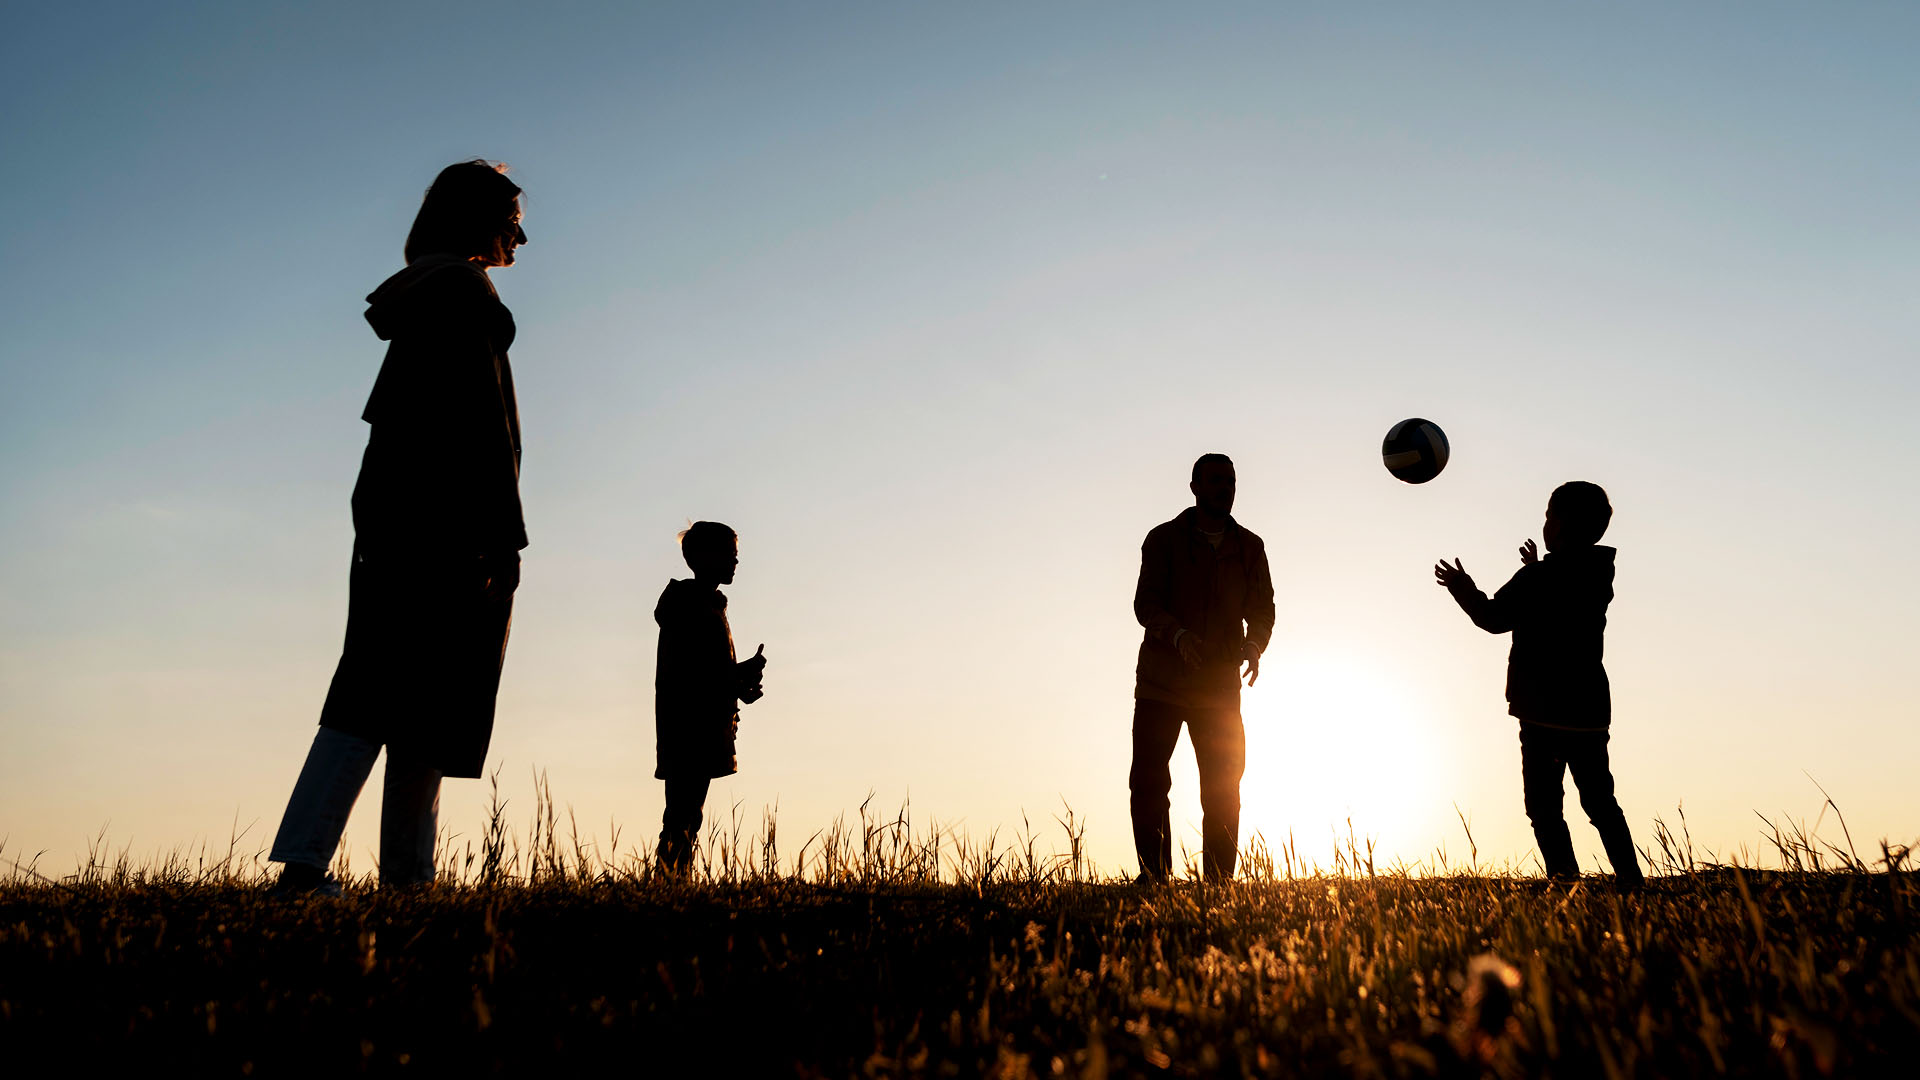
<point>879,953</point>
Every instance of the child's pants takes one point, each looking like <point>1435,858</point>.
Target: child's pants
<point>1546,755</point>
<point>336,769</point>
<point>1220,748</point>
<point>680,824</point>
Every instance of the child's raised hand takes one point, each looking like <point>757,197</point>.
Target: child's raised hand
<point>1452,577</point>
<point>1529,553</point>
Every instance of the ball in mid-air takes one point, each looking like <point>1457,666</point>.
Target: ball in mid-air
<point>1415,450</point>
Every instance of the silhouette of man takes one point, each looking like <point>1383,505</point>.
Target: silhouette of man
<point>1557,688</point>
<point>1205,597</point>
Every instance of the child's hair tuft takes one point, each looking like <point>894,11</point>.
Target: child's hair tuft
<point>705,536</point>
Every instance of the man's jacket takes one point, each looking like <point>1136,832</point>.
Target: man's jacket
<point>1223,596</point>
<point>1557,611</point>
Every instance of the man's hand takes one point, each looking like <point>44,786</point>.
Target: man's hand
<point>503,575</point>
<point>1252,656</point>
<point>1189,645</point>
<point>1529,553</point>
<point>1452,578</point>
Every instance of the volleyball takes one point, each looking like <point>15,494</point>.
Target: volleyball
<point>1415,450</point>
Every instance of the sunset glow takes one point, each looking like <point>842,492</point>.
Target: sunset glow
<point>937,306</point>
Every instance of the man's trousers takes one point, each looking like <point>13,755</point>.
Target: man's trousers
<point>1220,747</point>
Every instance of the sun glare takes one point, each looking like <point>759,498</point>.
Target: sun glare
<point>1331,740</point>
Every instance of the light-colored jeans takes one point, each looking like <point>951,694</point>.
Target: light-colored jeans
<point>337,768</point>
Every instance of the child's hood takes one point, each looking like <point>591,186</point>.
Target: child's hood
<point>687,596</point>
<point>1594,561</point>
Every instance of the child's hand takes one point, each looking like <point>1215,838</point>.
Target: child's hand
<point>751,671</point>
<point>754,666</point>
<point>1452,578</point>
<point>1529,553</point>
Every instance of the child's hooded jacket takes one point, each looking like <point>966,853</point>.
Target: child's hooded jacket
<point>1557,611</point>
<point>696,684</point>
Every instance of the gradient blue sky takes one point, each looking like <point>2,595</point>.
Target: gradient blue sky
<point>936,304</point>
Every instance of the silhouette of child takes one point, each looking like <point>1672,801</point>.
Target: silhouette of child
<point>1557,687</point>
<point>698,686</point>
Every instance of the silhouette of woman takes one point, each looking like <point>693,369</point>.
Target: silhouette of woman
<point>437,539</point>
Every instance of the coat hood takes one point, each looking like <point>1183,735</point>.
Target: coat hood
<point>422,285</point>
<point>684,596</point>
<point>1596,560</point>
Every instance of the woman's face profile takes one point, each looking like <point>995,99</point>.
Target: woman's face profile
<point>511,236</point>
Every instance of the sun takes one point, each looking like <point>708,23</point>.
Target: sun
<point>1331,740</point>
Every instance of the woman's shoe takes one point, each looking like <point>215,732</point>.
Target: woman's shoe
<point>298,879</point>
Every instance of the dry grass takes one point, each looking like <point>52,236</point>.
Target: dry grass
<point>880,948</point>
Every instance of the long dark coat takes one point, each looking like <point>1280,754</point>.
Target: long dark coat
<point>696,684</point>
<point>439,491</point>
